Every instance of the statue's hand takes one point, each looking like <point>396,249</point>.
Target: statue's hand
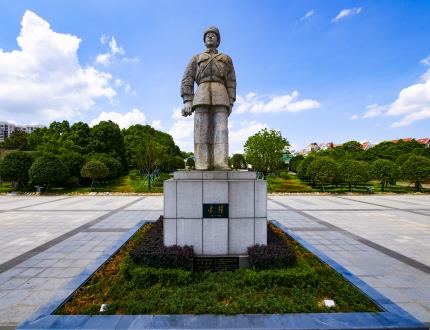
<point>188,109</point>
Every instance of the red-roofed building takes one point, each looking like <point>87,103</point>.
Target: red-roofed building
<point>425,141</point>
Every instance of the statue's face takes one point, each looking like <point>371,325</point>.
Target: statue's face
<point>211,40</point>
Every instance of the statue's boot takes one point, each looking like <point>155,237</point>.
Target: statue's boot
<point>220,137</point>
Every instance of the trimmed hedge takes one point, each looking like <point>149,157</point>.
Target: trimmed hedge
<point>276,254</point>
<point>150,251</point>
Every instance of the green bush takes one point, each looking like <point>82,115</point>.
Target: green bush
<point>150,251</point>
<point>48,169</point>
<point>143,276</point>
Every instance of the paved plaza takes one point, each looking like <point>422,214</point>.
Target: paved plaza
<point>46,241</point>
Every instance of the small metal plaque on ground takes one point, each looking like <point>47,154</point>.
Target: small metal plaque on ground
<point>215,264</point>
<point>215,210</point>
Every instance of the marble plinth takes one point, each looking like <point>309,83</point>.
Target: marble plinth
<point>185,224</point>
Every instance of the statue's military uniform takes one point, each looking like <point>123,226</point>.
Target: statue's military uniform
<point>214,74</point>
<point>216,92</point>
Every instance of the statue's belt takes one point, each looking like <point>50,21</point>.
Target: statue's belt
<point>209,62</point>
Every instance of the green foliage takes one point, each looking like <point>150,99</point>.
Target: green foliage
<point>137,138</point>
<point>295,162</point>
<point>385,171</point>
<point>113,165</point>
<point>149,156</point>
<point>131,288</point>
<point>264,150</point>
<point>94,170</point>
<point>176,163</point>
<point>17,140</point>
<point>150,251</point>
<point>48,169</point>
<point>14,167</point>
<point>416,169</point>
<point>354,172</point>
<point>238,162</point>
<point>74,162</point>
<point>322,170</point>
<point>302,169</point>
<point>107,138</point>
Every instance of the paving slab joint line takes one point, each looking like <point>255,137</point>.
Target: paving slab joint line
<point>393,318</point>
<point>41,248</point>
<point>388,252</point>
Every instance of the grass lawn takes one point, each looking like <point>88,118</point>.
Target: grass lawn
<point>288,185</point>
<point>130,288</point>
<point>6,187</point>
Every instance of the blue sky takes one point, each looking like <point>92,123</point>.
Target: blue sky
<point>318,71</point>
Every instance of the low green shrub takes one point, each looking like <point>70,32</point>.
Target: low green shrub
<point>143,276</point>
<point>271,256</point>
<point>150,251</point>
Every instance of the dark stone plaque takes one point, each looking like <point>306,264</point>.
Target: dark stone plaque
<point>215,210</point>
<point>215,264</point>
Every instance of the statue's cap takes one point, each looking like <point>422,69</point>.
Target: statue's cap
<point>213,29</point>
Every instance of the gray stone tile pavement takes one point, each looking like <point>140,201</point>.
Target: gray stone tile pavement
<point>376,237</point>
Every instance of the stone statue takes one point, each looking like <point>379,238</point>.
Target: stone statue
<point>216,92</point>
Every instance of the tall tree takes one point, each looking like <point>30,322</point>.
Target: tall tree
<point>385,171</point>
<point>17,140</point>
<point>48,169</point>
<point>14,167</point>
<point>94,170</point>
<point>264,150</point>
<point>323,170</point>
<point>353,172</point>
<point>416,169</point>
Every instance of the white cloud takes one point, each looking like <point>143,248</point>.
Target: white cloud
<point>156,124</point>
<point>374,110</point>
<point>239,133</point>
<point>412,104</point>
<point>44,78</point>
<point>176,113</point>
<point>135,116</point>
<point>119,82</point>
<point>307,15</point>
<point>354,117</point>
<point>252,102</point>
<point>182,132</point>
<point>346,12</point>
<point>114,52</point>
<point>426,61</point>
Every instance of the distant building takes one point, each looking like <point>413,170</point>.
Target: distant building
<point>7,128</point>
<point>366,145</point>
<point>313,147</point>
<point>425,141</point>
<point>325,146</point>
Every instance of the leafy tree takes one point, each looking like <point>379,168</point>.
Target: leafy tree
<point>323,170</point>
<point>302,169</point>
<point>176,163</point>
<point>295,162</point>
<point>238,162</point>
<point>113,164</point>
<point>416,169</point>
<point>94,170</point>
<point>106,137</point>
<point>74,162</point>
<point>149,156</point>
<point>17,140</point>
<point>15,166</point>
<point>264,150</point>
<point>48,169</point>
<point>385,171</point>
<point>354,172</point>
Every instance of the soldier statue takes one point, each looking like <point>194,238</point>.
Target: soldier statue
<point>216,92</point>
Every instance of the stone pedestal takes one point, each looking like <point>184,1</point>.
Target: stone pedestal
<point>239,219</point>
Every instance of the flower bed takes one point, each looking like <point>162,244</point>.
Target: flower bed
<point>129,286</point>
